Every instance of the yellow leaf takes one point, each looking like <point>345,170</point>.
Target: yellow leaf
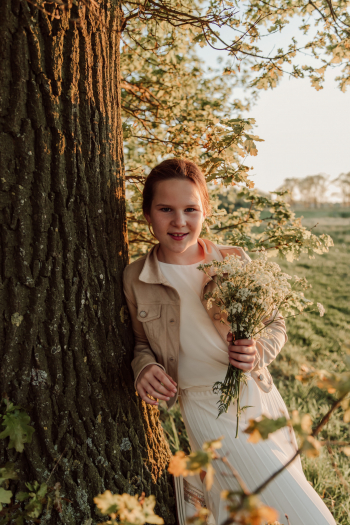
<point>311,447</point>
<point>346,451</point>
<point>107,502</point>
<point>347,416</point>
<point>255,436</point>
<point>265,514</point>
<point>306,423</point>
<point>177,464</point>
<point>148,511</point>
<point>213,445</point>
<point>209,478</point>
<point>224,494</point>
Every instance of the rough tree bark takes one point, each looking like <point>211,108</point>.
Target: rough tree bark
<point>65,343</point>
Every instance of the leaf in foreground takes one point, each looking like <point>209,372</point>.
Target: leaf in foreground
<point>130,509</point>
<point>17,428</point>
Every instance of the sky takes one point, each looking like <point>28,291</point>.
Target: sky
<point>305,131</point>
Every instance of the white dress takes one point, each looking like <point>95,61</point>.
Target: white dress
<point>203,359</point>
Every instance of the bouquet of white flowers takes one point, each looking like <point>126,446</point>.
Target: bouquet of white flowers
<point>250,293</point>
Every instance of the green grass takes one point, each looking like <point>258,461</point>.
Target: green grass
<point>321,341</point>
<point>316,341</point>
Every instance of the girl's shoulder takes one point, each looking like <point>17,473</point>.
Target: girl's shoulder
<point>133,270</point>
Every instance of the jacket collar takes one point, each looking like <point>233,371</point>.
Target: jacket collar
<point>151,272</point>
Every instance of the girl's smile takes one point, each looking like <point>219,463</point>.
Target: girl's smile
<point>177,236</point>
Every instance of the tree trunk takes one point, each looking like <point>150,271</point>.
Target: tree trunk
<point>65,343</point>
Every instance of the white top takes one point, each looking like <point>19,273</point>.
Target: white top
<point>203,358</point>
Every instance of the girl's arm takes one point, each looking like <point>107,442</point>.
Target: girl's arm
<point>143,354</point>
<point>269,347</point>
<point>150,376</point>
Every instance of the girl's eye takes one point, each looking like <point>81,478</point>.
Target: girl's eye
<point>165,209</point>
<point>190,209</point>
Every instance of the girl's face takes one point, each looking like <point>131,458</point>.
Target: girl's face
<point>176,215</point>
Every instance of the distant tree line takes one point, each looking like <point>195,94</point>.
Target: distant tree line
<point>314,190</point>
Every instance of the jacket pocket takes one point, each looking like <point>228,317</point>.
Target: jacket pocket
<point>150,317</point>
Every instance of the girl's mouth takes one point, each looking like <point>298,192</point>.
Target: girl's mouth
<point>177,236</point>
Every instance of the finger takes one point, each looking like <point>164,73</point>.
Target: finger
<point>242,366</point>
<point>153,392</point>
<point>143,395</point>
<point>165,379</point>
<point>244,342</point>
<point>248,350</point>
<point>229,336</point>
<point>152,384</point>
<point>159,387</point>
<point>171,379</point>
<point>242,357</point>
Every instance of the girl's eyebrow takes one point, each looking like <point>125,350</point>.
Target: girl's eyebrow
<point>187,205</point>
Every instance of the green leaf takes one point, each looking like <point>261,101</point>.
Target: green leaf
<point>22,496</point>
<point>5,496</point>
<point>34,508</point>
<point>262,428</point>
<point>8,472</point>
<point>10,407</point>
<point>17,428</point>
<point>42,491</point>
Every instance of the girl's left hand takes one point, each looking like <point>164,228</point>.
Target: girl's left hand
<point>242,353</point>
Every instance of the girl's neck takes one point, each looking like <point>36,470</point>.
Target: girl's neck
<point>193,254</point>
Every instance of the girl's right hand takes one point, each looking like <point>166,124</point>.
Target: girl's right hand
<point>155,382</point>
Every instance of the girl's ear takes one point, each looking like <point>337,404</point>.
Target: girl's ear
<point>147,217</point>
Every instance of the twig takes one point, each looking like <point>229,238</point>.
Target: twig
<point>319,427</point>
<point>54,468</point>
<point>325,419</point>
<point>236,475</point>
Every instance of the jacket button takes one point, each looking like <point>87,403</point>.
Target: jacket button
<point>261,377</point>
<point>171,358</point>
<point>143,314</point>
<point>217,316</point>
<point>172,321</point>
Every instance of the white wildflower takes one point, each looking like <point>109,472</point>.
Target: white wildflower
<point>321,309</point>
<point>248,293</point>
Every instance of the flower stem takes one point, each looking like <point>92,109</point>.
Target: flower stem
<point>238,408</point>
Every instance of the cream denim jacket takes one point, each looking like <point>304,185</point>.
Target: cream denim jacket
<point>154,307</point>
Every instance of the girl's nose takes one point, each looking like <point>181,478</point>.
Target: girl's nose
<point>179,220</point>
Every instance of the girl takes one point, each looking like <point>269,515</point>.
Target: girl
<point>182,349</point>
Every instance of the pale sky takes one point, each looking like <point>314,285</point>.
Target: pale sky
<point>306,132</point>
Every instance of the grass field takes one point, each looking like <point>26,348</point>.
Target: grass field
<point>321,343</point>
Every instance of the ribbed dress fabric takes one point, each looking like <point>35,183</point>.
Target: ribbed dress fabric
<point>201,363</point>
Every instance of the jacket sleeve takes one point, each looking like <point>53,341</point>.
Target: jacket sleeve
<point>143,354</point>
<point>269,347</point>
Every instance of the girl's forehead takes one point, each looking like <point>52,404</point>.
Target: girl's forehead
<point>176,190</point>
